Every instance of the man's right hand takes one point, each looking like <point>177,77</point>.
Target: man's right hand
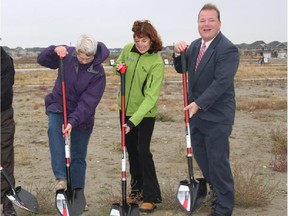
<point>192,108</point>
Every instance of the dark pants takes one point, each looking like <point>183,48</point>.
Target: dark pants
<point>142,168</point>
<point>7,149</point>
<point>210,143</point>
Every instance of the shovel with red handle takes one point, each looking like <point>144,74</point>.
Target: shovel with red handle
<point>192,192</point>
<point>125,209</point>
<point>68,202</point>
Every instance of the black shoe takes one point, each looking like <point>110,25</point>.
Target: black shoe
<point>8,209</point>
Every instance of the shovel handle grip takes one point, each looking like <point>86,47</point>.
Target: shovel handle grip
<point>123,69</point>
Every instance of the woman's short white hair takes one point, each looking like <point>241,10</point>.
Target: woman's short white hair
<point>87,45</point>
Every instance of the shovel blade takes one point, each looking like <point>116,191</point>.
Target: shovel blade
<point>24,200</point>
<point>191,195</point>
<point>126,210</point>
<point>78,202</point>
<point>116,210</point>
<point>62,203</point>
<point>72,205</point>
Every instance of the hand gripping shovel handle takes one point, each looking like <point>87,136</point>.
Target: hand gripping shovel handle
<point>186,113</point>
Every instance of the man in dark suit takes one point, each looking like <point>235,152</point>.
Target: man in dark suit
<point>212,62</point>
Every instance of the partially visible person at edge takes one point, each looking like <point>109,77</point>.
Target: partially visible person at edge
<point>144,78</point>
<point>212,104</point>
<point>85,81</point>
<point>7,130</point>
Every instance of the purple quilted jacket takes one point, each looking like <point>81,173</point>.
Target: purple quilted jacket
<point>85,84</point>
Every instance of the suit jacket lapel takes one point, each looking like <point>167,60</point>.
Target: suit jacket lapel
<point>195,51</point>
<point>207,55</point>
<point>204,60</point>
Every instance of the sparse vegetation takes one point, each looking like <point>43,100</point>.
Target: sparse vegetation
<point>271,103</point>
<point>251,189</point>
<point>279,149</point>
<point>164,117</point>
<point>279,138</point>
<point>251,70</point>
<point>45,196</point>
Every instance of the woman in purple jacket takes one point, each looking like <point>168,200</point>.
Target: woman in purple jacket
<point>85,83</point>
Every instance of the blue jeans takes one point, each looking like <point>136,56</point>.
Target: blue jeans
<point>79,143</point>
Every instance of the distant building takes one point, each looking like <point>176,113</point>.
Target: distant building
<point>115,51</point>
<point>275,49</point>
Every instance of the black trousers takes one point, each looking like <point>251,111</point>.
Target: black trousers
<point>7,148</point>
<point>142,168</point>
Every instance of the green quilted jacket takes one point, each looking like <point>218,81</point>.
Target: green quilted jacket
<point>143,82</point>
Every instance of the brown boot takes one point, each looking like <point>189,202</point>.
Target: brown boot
<point>147,207</point>
<point>8,209</point>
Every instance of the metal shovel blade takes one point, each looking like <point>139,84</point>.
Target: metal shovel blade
<point>116,210</point>
<point>191,195</point>
<point>20,197</point>
<point>23,199</point>
<point>125,210</point>
<point>62,203</point>
<point>78,202</point>
<point>72,205</point>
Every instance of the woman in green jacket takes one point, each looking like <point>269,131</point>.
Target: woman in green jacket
<point>143,82</point>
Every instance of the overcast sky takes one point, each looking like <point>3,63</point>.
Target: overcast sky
<point>40,23</point>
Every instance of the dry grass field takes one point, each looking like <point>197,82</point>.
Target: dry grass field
<point>258,142</point>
